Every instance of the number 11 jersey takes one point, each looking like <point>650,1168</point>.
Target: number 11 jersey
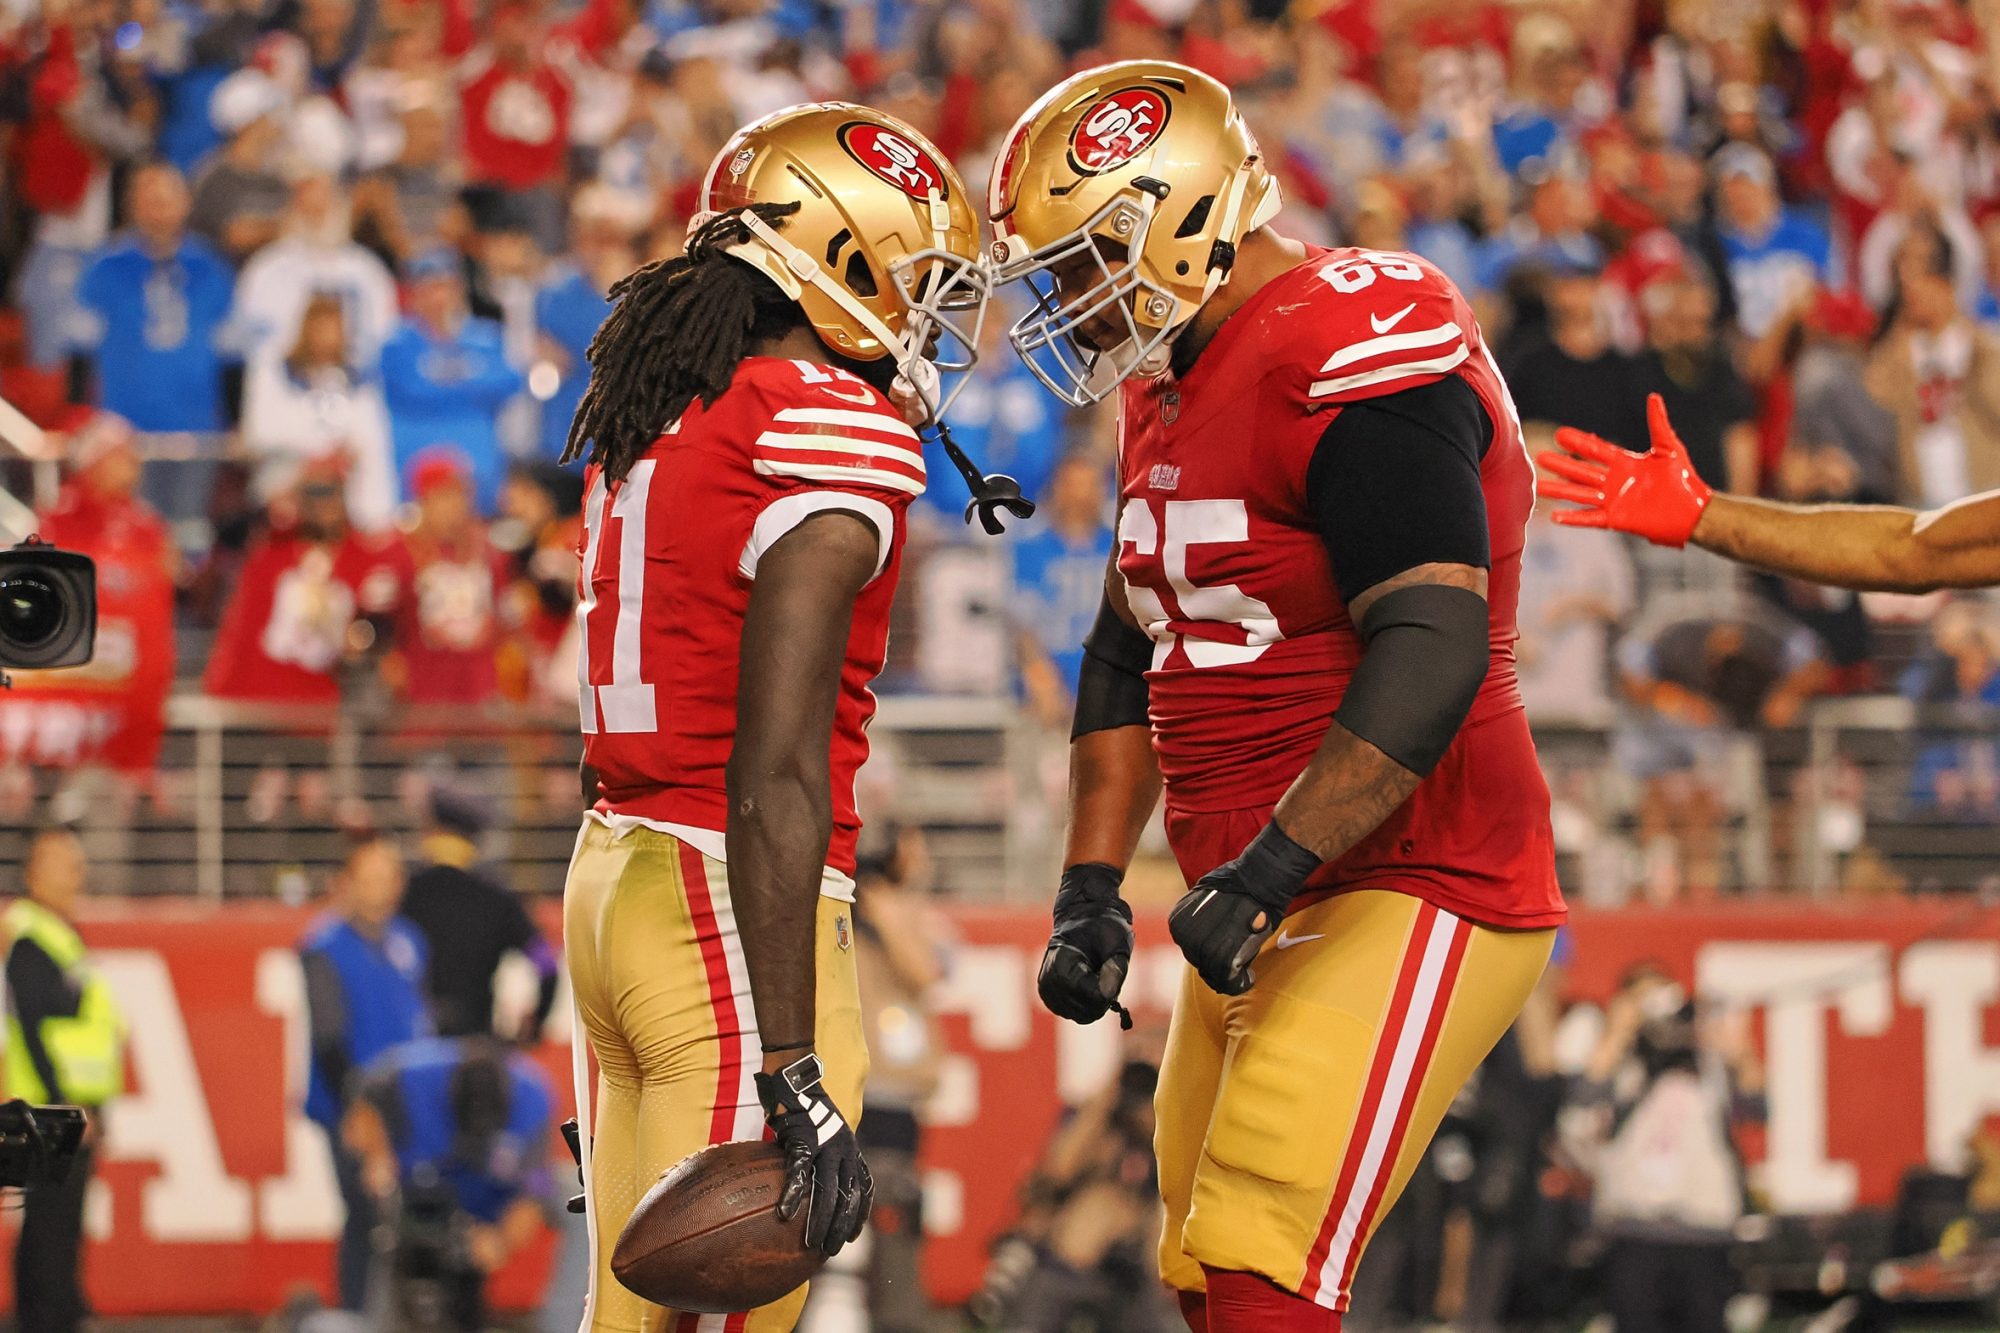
<point>1226,569</point>
<point>670,556</point>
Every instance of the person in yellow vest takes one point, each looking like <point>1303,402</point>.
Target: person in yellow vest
<point>65,1045</point>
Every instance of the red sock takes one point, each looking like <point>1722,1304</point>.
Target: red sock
<point>1246,1303</point>
<point>1194,1309</point>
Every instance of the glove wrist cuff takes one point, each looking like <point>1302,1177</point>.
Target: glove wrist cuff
<point>1274,867</point>
<point>1092,886</point>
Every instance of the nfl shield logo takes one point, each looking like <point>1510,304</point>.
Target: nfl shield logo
<point>840,936</point>
<point>1170,406</point>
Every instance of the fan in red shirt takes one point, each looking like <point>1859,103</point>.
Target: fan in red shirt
<point>303,603</point>
<point>110,711</point>
<point>515,106</point>
<point>447,630</point>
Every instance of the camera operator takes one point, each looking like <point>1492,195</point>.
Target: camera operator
<point>1083,1249</point>
<point>1673,1082</point>
<point>65,1040</point>
<point>451,1136</point>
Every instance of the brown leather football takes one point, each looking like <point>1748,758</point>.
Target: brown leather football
<point>707,1239</point>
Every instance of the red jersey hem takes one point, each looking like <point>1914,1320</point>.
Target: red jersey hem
<point>1471,909</point>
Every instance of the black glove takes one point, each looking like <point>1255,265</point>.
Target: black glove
<point>1225,918</point>
<point>1090,949</point>
<point>573,1136</point>
<point>823,1163</point>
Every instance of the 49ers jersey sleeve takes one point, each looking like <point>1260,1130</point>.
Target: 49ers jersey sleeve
<point>669,566</point>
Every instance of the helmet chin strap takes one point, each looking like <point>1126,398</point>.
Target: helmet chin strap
<point>913,384</point>
<point>1155,362</point>
<point>917,382</point>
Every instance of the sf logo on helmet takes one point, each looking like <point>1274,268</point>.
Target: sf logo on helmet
<point>894,158</point>
<point>1116,129</point>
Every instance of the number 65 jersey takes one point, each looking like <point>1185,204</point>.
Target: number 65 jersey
<point>1226,570</point>
<point>670,556</point>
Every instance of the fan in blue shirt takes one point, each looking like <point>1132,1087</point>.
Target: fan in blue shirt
<point>1059,582</point>
<point>445,376</point>
<point>159,296</point>
<point>568,310</point>
<point>1776,257</point>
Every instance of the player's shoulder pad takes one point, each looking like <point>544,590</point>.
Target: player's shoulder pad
<point>772,383</point>
<point>1372,322</point>
<point>806,422</point>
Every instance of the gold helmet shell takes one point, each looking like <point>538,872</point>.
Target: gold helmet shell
<point>1144,172</point>
<point>883,253</point>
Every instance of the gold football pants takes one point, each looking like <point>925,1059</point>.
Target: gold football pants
<point>657,968</point>
<point>1290,1117</point>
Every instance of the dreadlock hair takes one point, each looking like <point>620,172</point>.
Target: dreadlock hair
<point>676,333</point>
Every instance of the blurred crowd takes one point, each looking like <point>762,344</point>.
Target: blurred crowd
<point>304,288</point>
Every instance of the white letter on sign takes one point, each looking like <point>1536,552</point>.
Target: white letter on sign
<point>303,1203</point>
<point>1795,984</point>
<point>1953,982</point>
<point>165,1118</point>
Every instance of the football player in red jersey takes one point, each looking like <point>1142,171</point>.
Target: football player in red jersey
<point>1308,638</point>
<point>752,458</point>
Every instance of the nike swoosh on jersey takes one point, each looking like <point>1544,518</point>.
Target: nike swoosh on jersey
<point>1384,325</point>
<point>1287,941</point>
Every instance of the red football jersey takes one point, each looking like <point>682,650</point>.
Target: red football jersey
<point>670,554</point>
<point>286,630</point>
<point>1228,574</point>
<point>447,627</point>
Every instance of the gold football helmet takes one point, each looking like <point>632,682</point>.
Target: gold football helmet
<point>1120,198</point>
<point>883,253</point>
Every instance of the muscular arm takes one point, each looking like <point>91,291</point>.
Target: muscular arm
<point>1114,776</point>
<point>779,785</point>
<point>1350,786</point>
<point>1866,547</point>
<point>1395,485</point>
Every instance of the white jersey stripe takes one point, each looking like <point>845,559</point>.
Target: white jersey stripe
<point>1408,369</point>
<point>840,444</point>
<point>833,416</point>
<point>866,476</point>
<point>1394,1107</point>
<point>1394,342</point>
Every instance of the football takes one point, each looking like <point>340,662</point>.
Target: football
<point>707,1239</point>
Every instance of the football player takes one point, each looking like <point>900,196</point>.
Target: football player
<point>749,430</point>
<point>1871,548</point>
<point>1308,637</point>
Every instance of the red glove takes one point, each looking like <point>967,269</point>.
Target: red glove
<point>1655,495</point>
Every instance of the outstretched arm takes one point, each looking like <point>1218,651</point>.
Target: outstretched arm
<point>1872,548</point>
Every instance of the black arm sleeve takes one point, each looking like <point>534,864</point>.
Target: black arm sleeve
<point>326,1021</point>
<point>1111,685</point>
<point>1394,484</point>
<point>38,991</point>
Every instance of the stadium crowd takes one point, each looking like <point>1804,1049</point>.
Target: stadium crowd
<point>335,269</point>
<point>302,290</point>
<point>305,288</point>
